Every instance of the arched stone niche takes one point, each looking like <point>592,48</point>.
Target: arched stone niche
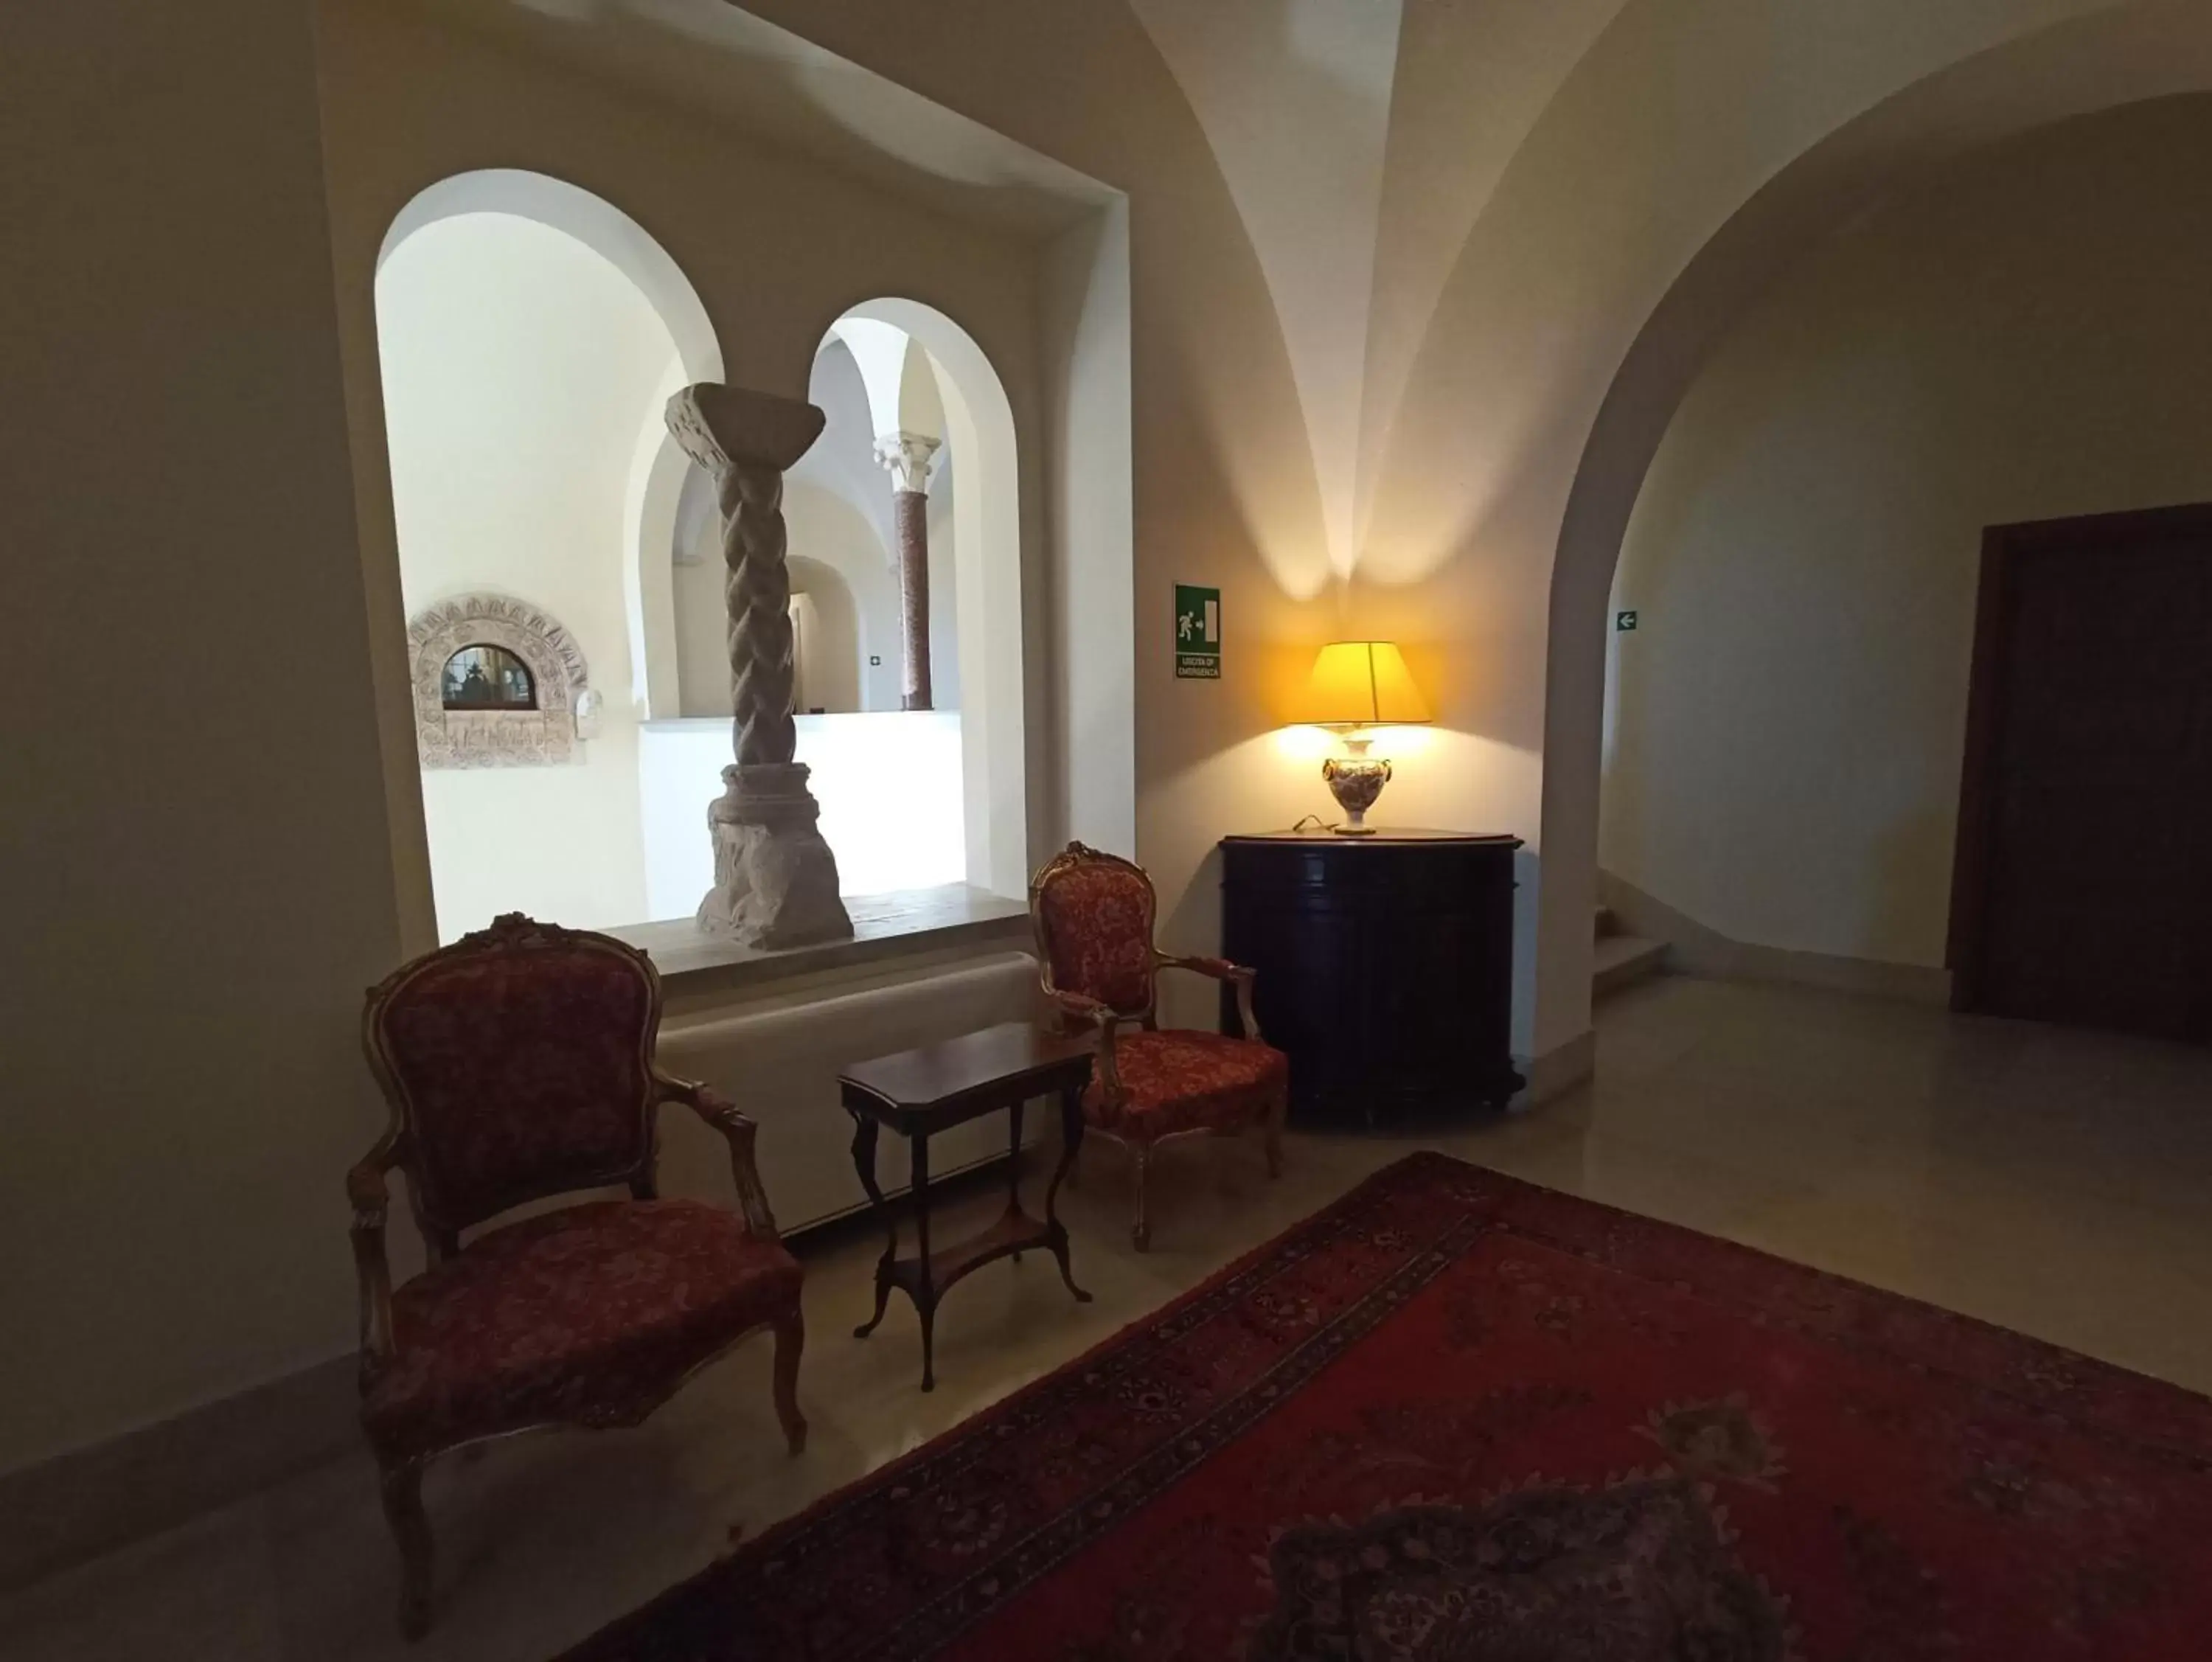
<point>548,736</point>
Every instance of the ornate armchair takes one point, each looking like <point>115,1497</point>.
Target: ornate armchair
<point>1093,915</point>
<point>518,1065</point>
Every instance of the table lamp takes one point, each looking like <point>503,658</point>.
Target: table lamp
<point>1356,685</point>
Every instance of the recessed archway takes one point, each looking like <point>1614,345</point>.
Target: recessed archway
<point>528,334</point>
<point>2120,56</point>
<point>829,639</point>
<point>1785,735</point>
<point>981,441</point>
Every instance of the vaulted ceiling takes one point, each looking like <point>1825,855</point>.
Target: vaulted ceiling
<point>1361,140</point>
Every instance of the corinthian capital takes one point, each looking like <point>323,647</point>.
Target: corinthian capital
<point>908,457</point>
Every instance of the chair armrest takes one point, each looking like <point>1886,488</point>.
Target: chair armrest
<point>1084,1011</point>
<point>372,1203</point>
<point>1220,969</point>
<point>740,1132</point>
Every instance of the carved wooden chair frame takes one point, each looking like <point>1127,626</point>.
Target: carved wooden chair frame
<point>401,1479</point>
<point>1104,1021</point>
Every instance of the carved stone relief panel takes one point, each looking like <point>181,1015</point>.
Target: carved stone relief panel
<point>534,721</point>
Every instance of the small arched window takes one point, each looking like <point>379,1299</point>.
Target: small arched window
<point>481,676</point>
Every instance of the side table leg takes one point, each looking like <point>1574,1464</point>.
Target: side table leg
<point>1014,1161</point>
<point>864,1162</point>
<point>924,1290</point>
<point>1071,1143</point>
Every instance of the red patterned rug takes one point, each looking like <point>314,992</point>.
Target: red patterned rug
<point>1455,1416</point>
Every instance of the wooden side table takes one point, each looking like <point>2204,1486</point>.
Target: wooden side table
<point>919,1093</point>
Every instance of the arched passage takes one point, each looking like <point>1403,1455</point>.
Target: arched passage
<point>979,438</point>
<point>829,638</point>
<point>1784,736</point>
<point>528,333</point>
<point>2118,54</point>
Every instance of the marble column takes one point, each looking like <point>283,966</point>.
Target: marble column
<point>775,879</point>
<point>907,456</point>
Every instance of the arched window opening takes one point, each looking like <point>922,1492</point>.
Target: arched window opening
<point>529,334</point>
<point>481,676</point>
<point>903,529</point>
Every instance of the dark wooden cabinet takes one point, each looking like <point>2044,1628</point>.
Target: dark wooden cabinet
<point>1385,966</point>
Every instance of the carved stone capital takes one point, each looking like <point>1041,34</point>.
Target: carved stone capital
<point>724,427</point>
<point>908,457</point>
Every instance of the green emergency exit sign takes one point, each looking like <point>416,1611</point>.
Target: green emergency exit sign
<point>1198,633</point>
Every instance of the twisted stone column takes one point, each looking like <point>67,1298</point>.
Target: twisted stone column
<point>775,879</point>
<point>908,455</point>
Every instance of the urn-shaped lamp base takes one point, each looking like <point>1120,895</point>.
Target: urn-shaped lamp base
<point>1356,781</point>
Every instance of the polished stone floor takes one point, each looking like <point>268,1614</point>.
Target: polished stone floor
<point>2053,1182</point>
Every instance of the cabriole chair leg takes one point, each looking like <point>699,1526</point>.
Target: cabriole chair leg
<point>790,1341</point>
<point>1141,1232</point>
<point>402,1484</point>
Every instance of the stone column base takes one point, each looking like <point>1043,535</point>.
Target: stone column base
<point>775,879</point>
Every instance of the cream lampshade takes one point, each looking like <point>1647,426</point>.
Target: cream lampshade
<point>1356,684</point>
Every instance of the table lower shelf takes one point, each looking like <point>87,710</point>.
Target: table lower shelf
<point>927,1280</point>
<point>926,1276</point>
<point>1016,1231</point>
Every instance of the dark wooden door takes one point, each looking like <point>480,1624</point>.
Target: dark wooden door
<point>2083,891</point>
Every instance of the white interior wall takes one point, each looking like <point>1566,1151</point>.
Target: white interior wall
<point>652,512</point>
<point>921,409</point>
<point>1089,746</point>
<point>888,785</point>
<point>829,659</point>
<point>844,516</point>
<point>838,511</point>
<point>992,603</point>
<point>944,585</point>
<point>2026,339</point>
<point>824,527</point>
<point>519,368</point>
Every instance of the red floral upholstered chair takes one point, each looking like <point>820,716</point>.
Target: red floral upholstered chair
<point>518,1065</point>
<point>1093,915</point>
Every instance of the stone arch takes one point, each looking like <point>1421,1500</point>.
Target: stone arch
<point>592,221</point>
<point>2116,56</point>
<point>657,466</point>
<point>980,429</point>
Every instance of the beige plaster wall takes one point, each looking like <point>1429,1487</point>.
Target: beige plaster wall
<point>198,882</point>
<point>2026,339</point>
